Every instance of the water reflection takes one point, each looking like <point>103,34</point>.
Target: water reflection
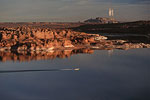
<point>122,76</point>
<point>26,56</point>
<point>29,56</point>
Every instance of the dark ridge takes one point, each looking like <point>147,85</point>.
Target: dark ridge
<point>138,27</point>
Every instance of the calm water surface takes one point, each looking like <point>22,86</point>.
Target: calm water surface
<point>119,75</point>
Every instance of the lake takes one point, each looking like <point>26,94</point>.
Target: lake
<point>103,75</point>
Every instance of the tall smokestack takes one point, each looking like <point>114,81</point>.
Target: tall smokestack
<point>111,12</point>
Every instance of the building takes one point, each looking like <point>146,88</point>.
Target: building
<point>102,20</point>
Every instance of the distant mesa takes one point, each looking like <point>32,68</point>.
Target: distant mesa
<point>102,20</point>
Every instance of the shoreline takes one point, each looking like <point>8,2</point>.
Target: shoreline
<point>53,36</point>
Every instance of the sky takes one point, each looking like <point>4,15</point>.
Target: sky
<point>72,10</point>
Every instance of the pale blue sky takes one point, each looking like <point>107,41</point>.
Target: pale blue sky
<point>72,10</point>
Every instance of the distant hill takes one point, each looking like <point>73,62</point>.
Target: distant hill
<point>102,20</point>
<point>138,27</point>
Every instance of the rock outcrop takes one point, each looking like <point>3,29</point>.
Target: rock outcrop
<point>38,39</point>
<point>46,39</point>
